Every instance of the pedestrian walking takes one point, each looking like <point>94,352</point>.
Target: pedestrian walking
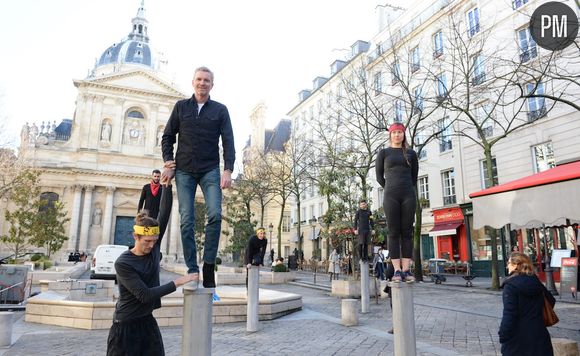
<point>378,264</point>
<point>334,264</point>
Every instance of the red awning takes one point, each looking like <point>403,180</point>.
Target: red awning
<point>547,198</point>
<point>446,228</point>
<point>557,174</point>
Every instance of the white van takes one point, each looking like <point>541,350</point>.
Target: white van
<point>103,265</point>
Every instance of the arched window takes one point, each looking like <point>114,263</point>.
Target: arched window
<point>48,199</point>
<point>135,114</point>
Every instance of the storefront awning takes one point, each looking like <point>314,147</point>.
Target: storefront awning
<point>550,197</point>
<point>446,228</point>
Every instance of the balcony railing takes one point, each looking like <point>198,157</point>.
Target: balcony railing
<point>449,200</point>
<point>537,114</point>
<point>440,98</point>
<point>438,53</point>
<point>529,53</point>
<point>478,79</point>
<point>445,145</point>
<point>415,67</point>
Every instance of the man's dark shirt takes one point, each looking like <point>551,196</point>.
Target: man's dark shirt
<point>199,134</point>
<point>150,201</point>
<point>256,250</point>
<point>363,221</point>
<point>139,290</point>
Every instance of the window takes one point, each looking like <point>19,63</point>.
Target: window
<point>378,83</point>
<point>478,70</point>
<point>135,114</point>
<point>448,179</point>
<point>418,99</point>
<point>48,200</point>
<point>311,113</point>
<point>438,44</point>
<point>485,182</point>
<point>340,91</point>
<point>395,73</point>
<point>473,21</point>
<point>415,60</point>
<point>398,111</point>
<point>445,143</point>
<point>420,146</point>
<point>543,156</point>
<point>303,215</point>
<point>319,106</point>
<point>424,191</point>
<point>320,209</point>
<point>528,48</point>
<point>484,119</point>
<point>536,105</point>
<point>519,3</point>
<point>441,87</point>
<point>286,222</point>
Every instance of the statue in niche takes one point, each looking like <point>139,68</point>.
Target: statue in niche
<point>97,215</point>
<point>24,134</point>
<point>33,133</point>
<point>159,137</point>
<point>105,131</point>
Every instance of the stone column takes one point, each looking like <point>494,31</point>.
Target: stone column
<point>253,299</point>
<point>74,220</point>
<point>174,232</point>
<point>86,218</point>
<point>365,299</point>
<point>108,216</point>
<point>349,312</point>
<point>197,321</point>
<point>6,329</point>
<point>403,318</point>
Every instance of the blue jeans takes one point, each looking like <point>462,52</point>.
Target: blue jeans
<point>186,187</point>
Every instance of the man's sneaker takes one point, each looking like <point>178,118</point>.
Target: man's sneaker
<point>391,331</point>
<point>408,276</point>
<point>397,277</point>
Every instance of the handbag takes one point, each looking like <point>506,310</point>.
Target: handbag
<point>550,317</point>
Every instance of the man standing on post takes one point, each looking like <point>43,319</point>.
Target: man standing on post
<point>198,123</point>
<point>151,195</point>
<point>363,225</point>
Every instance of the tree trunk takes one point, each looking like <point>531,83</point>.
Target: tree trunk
<point>490,182</point>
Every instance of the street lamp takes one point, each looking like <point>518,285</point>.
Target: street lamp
<point>270,229</point>
<point>550,285</point>
<point>314,261</point>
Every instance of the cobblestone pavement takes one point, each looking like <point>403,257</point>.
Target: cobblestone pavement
<point>449,320</point>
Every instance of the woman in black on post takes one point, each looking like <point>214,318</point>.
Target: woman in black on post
<point>397,168</point>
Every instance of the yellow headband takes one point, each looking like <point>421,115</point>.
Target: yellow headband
<point>260,229</point>
<point>146,230</point>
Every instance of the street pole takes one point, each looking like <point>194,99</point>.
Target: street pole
<point>550,285</point>
<point>271,228</point>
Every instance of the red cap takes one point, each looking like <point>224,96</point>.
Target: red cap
<point>397,126</point>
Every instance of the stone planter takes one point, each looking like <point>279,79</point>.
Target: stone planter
<point>283,277</point>
<point>350,288</point>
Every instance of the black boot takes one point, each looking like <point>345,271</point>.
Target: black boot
<point>208,275</point>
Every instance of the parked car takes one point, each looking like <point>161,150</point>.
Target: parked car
<point>103,264</point>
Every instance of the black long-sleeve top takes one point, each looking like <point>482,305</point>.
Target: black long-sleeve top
<point>199,135</point>
<point>138,276</point>
<point>256,250</point>
<point>363,220</point>
<point>393,171</point>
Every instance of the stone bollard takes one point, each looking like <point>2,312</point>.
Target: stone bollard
<point>253,299</point>
<point>6,328</point>
<point>564,347</point>
<point>382,285</point>
<point>365,300</point>
<point>197,320</point>
<point>403,318</point>
<point>349,312</point>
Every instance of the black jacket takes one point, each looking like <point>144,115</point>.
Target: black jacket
<point>522,330</point>
<point>150,201</point>
<point>199,135</point>
<point>363,220</point>
<point>256,250</point>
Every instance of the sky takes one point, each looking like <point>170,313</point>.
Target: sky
<point>260,50</point>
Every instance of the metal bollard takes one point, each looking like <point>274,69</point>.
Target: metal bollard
<point>253,299</point>
<point>197,321</point>
<point>365,299</point>
<point>403,318</point>
<point>6,328</point>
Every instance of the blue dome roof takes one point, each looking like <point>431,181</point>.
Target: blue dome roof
<point>128,51</point>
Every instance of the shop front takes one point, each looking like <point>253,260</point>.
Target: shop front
<point>449,234</point>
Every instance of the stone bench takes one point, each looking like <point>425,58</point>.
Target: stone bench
<point>564,347</point>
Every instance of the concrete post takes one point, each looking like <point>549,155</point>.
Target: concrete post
<point>365,299</point>
<point>197,321</point>
<point>349,312</point>
<point>253,298</point>
<point>6,329</point>
<point>403,318</point>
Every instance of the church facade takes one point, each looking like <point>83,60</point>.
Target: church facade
<point>98,162</point>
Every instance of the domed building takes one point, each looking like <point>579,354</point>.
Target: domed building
<point>98,162</point>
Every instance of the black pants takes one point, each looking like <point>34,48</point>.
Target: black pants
<point>399,205</point>
<point>135,337</point>
<point>364,239</point>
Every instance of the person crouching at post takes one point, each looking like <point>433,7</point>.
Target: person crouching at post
<point>256,249</point>
<point>135,330</point>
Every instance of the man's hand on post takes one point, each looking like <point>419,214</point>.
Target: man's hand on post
<point>168,172</point>
<point>226,180</point>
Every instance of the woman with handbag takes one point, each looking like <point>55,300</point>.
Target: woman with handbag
<point>522,330</point>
